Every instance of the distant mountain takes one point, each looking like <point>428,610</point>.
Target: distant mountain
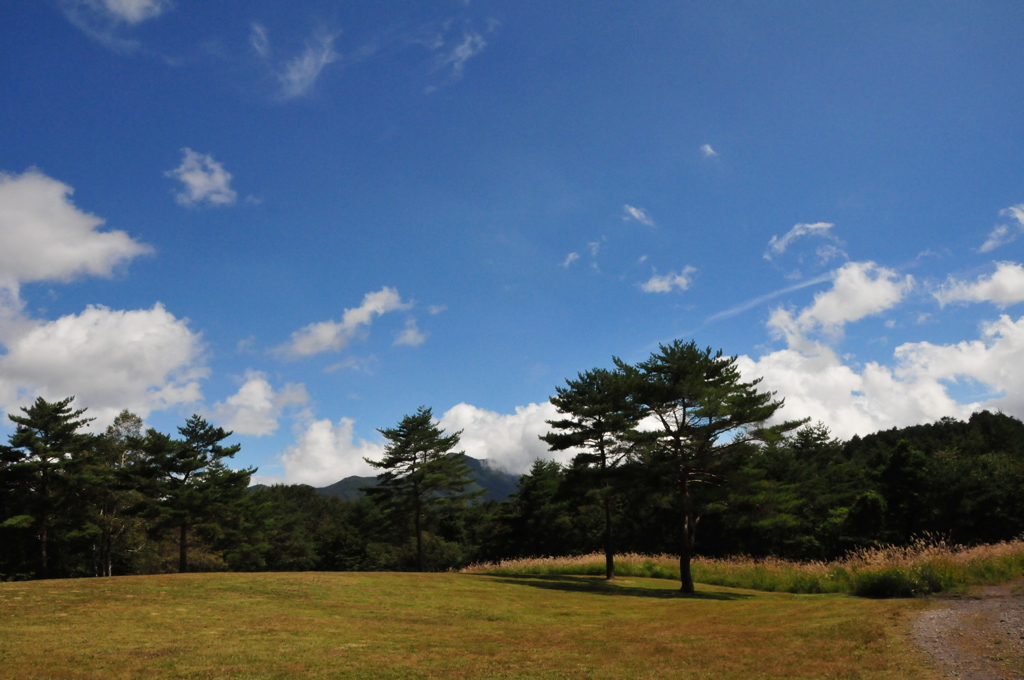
<point>498,485</point>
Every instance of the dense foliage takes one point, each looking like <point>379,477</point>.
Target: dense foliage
<point>126,501</point>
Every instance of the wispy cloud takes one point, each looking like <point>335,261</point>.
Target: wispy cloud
<point>570,258</point>
<point>331,336</point>
<point>777,246</point>
<point>301,72</point>
<point>666,283</point>
<point>259,40</point>
<point>708,151</point>
<point>1003,233</point>
<point>101,20</point>
<point>203,180</point>
<point>760,300</point>
<point>630,212</point>
<point>471,45</point>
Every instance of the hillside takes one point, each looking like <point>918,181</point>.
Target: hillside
<point>498,484</point>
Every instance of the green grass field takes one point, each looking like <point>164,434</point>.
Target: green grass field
<point>390,625</point>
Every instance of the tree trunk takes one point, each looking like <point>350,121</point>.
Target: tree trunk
<point>609,554</point>
<point>419,539</point>
<point>44,527</point>
<point>44,537</point>
<point>686,539</point>
<point>183,549</point>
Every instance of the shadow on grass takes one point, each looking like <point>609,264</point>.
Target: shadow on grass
<point>583,584</point>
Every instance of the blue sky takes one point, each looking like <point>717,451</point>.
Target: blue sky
<point>306,219</point>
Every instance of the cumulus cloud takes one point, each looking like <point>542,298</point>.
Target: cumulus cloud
<point>254,410</point>
<point>326,453</point>
<point>411,335</point>
<point>630,212</point>
<point>301,72</point>
<point>818,385</point>
<point>708,151</point>
<point>859,289</point>
<point>666,283</point>
<point>328,336</point>
<point>777,245</point>
<point>203,180</point>
<point>507,441</point>
<point>43,236</point>
<point>142,360</point>
<point>1004,287</point>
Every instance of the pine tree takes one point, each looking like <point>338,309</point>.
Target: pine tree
<point>188,480</point>
<point>705,413</point>
<point>420,471</point>
<point>45,453</point>
<point>602,419</point>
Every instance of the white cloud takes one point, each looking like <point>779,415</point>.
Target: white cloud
<point>127,11</point>
<point>326,336</point>
<point>630,212</point>
<point>258,39</point>
<point>508,441</point>
<point>777,246</point>
<point>667,282</point>
<point>859,289</point>
<point>708,151</point>
<point>818,385</point>
<point>43,236</point>
<point>326,453</point>
<point>472,44</point>
<point>256,407</point>
<point>136,11</point>
<point>594,247</point>
<point>436,309</point>
<point>204,179</point>
<point>1004,287</point>
<point>142,360</point>
<point>570,258</point>
<point>999,236</point>
<point>411,335</point>
<point>302,72</point>
<point>1003,234</point>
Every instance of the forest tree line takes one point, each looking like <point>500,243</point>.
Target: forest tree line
<point>135,501</point>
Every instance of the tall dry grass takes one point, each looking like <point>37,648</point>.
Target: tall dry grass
<point>928,565</point>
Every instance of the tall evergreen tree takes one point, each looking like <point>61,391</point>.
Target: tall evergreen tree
<point>420,470</point>
<point>189,481</point>
<point>602,419</point>
<point>705,414</point>
<point>45,453</point>
<point>108,474</point>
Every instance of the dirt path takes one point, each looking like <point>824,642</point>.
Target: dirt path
<point>978,636</point>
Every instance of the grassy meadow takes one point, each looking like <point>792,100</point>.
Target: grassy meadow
<point>926,566</point>
<point>406,625</point>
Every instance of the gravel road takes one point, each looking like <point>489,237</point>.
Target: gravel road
<point>978,636</point>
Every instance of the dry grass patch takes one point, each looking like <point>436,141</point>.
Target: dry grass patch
<point>928,565</point>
